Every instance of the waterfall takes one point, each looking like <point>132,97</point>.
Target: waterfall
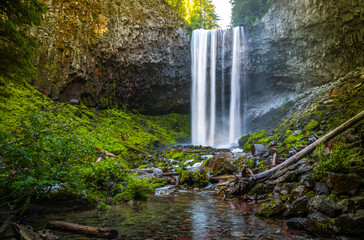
<point>217,57</point>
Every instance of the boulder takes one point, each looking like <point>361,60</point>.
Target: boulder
<point>222,166</point>
<point>157,172</point>
<point>322,189</point>
<point>298,207</point>
<point>297,223</point>
<point>324,205</point>
<point>272,208</point>
<point>263,188</point>
<point>344,183</point>
<point>297,192</point>
<point>348,206</point>
<point>352,223</point>
<point>259,151</point>
<point>321,225</point>
<point>307,181</point>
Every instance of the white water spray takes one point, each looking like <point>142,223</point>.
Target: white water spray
<point>211,124</point>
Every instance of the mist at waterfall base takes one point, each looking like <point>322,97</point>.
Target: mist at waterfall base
<point>219,97</point>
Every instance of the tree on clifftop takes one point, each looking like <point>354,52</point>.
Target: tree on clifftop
<point>196,13</point>
<point>17,47</point>
<point>246,12</point>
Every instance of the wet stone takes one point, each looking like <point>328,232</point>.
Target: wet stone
<point>321,225</point>
<point>297,223</point>
<point>344,183</point>
<point>324,205</point>
<point>298,208</point>
<point>322,189</point>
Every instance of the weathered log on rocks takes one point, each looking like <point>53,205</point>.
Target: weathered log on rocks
<point>312,146</point>
<point>242,185</point>
<point>26,232</point>
<point>103,232</point>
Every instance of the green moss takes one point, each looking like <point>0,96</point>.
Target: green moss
<point>311,126</point>
<point>221,166</point>
<point>194,179</point>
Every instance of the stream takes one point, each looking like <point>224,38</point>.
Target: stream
<point>179,216</point>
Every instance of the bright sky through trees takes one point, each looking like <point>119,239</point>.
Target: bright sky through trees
<point>223,10</point>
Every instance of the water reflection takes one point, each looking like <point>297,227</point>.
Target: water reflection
<point>181,216</point>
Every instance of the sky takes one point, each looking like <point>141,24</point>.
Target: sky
<point>223,10</point>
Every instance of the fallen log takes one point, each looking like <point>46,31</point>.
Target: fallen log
<point>26,232</point>
<point>312,146</point>
<point>106,153</point>
<point>170,174</point>
<point>103,232</point>
<point>242,185</point>
<point>222,177</point>
<point>6,225</point>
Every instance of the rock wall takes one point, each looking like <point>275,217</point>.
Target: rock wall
<point>115,53</point>
<point>299,47</point>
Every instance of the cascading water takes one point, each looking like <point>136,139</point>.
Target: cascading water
<point>216,58</point>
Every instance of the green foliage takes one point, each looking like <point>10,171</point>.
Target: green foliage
<point>46,146</point>
<point>103,207</point>
<point>17,48</point>
<point>136,189</point>
<point>337,161</point>
<point>194,179</point>
<point>196,13</point>
<point>41,159</point>
<point>246,12</point>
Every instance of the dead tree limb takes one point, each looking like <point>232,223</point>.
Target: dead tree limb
<point>103,232</point>
<point>6,225</point>
<point>25,232</point>
<point>274,159</point>
<point>106,153</point>
<point>312,146</point>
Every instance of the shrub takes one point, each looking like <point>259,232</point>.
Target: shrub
<point>337,161</point>
<point>136,189</point>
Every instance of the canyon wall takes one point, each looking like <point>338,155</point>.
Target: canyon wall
<point>297,49</point>
<point>115,53</point>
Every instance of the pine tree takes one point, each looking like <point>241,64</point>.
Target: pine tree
<point>17,47</point>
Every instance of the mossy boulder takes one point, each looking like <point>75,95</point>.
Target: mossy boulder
<point>221,166</point>
<point>321,225</point>
<point>263,188</point>
<point>272,208</point>
<point>351,223</point>
<point>194,179</point>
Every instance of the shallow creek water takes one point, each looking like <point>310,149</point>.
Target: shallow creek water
<point>180,216</point>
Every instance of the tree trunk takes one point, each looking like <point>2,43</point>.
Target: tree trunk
<point>85,230</point>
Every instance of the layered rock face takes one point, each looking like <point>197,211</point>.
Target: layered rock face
<point>297,49</point>
<point>115,53</point>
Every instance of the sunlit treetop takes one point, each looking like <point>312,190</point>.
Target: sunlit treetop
<point>196,13</point>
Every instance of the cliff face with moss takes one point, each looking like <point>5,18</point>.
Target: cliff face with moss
<point>115,53</point>
<point>298,49</point>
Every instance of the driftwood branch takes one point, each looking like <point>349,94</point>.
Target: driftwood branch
<point>103,232</point>
<point>106,153</point>
<point>312,146</point>
<point>6,225</point>
<point>25,232</point>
